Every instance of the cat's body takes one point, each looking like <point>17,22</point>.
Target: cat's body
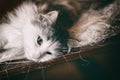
<point>97,24</point>
<point>30,34</point>
<point>86,21</point>
<point>17,29</point>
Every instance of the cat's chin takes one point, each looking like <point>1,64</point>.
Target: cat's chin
<point>46,58</point>
<point>43,59</point>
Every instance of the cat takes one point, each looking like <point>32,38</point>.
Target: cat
<point>18,40</point>
<point>29,33</point>
<point>84,21</point>
<point>14,42</point>
<point>97,23</point>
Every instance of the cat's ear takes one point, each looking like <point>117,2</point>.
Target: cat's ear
<point>53,15</point>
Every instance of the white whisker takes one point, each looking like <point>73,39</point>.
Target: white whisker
<point>43,72</point>
<point>65,59</point>
<point>7,74</point>
<point>27,73</point>
<point>84,60</point>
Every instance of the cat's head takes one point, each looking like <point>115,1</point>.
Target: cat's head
<point>44,39</point>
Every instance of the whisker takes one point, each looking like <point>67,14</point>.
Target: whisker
<point>27,73</point>
<point>65,59</point>
<point>69,49</point>
<point>6,69</point>
<point>7,74</point>
<point>84,60</point>
<point>43,72</point>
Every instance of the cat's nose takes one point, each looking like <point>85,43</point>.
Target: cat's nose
<point>36,57</point>
<point>40,57</point>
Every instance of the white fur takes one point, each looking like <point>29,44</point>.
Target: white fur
<point>92,26</point>
<point>20,36</point>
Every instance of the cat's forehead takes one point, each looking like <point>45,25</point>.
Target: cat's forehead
<point>41,21</point>
<point>44,27</point>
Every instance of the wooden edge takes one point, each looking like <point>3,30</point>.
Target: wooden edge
<point>85,52</point>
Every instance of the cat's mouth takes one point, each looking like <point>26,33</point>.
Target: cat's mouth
<point>49,55</point>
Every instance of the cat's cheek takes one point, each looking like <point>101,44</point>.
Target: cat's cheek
<point>32,57</point>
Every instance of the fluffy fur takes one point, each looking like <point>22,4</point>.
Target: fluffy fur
<point>32,31</point>
<point>19,37</point>
<point>95,25</point>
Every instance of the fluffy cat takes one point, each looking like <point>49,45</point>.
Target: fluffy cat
<point>97,23</point>
<point>87,21</point>
<point>18,34</point>
<point>29,33</point>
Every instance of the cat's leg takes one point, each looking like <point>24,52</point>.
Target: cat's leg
<point>12,54</point>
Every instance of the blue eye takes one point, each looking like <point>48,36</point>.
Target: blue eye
<point>39,40</point>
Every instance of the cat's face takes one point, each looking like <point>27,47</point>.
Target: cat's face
<point>43,41</point>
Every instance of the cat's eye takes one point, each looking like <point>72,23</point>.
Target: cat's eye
<point>39,40</point>
<point>49,53</point>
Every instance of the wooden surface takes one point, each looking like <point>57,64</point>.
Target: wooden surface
<point>96,52</point>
